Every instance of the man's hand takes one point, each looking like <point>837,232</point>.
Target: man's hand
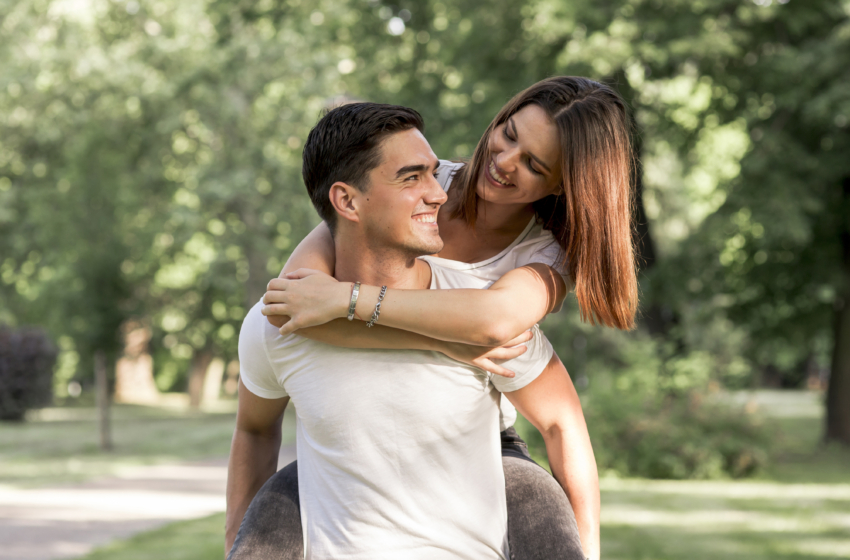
<point>308,297</point>
<point>483,356</point>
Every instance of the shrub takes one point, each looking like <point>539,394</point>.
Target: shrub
<point>673,438</point>
<point>650,417</point>
<point>27,357</point>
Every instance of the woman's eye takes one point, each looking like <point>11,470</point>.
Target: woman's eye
<point>531,167</point>
<point>505,132</point>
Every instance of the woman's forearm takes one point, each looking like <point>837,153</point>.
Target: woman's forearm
<point>343,333</point>
<point>574,467</point>
<point>488,317</point>
<point>355,334</point>
<point>316,252</point>
<point>551,404</point>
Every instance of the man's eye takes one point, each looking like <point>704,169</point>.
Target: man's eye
<point>412,177</point>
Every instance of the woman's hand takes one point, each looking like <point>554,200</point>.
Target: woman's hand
<point>308,298</point>
<point>483,356</point>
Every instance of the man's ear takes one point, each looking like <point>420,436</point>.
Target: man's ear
<point>345,200</point>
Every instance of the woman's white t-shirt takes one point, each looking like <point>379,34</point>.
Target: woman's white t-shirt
<point>533,245</point>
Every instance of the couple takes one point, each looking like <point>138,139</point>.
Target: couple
<point>398,425</point>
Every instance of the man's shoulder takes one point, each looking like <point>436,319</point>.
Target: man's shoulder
<point>258,332</point>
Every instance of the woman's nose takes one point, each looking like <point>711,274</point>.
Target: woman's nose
<point>507,159</point>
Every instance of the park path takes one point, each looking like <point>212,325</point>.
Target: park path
<point>68,521</point>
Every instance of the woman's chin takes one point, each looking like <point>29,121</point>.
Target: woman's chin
<point>491,194</point>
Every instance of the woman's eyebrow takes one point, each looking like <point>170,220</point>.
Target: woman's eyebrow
<point>532,156</point>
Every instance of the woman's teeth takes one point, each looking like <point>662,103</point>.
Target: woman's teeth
<point>495,175</point>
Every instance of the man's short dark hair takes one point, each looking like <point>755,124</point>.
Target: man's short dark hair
<point>345,146</point>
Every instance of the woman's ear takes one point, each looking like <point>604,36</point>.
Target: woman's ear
<point>344,199</point>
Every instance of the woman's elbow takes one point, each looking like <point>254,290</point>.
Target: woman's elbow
<point>497,333</point>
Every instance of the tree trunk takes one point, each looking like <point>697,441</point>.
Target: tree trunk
<point>101,380</point>
<point>838,391</point>
<point>197,372</point>
<point>256,254</point>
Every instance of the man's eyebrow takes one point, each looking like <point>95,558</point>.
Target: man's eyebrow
<point>414,169</point>
<point>532,156</point>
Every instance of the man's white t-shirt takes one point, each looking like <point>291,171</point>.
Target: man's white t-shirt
<point>533,245</point>
<point>399,455</point>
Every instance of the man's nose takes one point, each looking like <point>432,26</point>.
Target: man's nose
<point>435,193</point>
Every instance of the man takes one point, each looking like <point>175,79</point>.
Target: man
<point>399,453</point>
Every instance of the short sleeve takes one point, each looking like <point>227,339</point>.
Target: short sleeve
<point>255,367</point>
<point>528,366</point>
<point>552,255</point>
<point>446,172</point>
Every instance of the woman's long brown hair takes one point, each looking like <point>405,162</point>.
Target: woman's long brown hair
<point>591,218</point>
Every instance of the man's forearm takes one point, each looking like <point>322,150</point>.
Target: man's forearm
<point>574,467</point>
<point>253,460</point>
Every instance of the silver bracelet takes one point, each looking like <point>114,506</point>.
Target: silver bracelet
<point>377,312</point>
<point>355,292</point>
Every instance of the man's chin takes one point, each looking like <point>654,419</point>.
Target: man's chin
<point>422,247</point>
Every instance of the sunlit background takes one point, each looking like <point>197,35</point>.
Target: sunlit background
<point>150,187</point>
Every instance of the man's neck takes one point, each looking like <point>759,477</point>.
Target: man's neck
<point>356,262</point>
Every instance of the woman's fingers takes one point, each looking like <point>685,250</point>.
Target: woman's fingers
<point>275,296</point>
<point>487,365</point>
<point>524,337</point>
<point>507,353</point>
<point>275,309</point>
<point>289,328</point>
<point>277,284</point>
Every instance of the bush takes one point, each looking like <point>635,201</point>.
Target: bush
<point>676,437</point>
<point>649,417</point>
<point>27,357</point>
<point>673,438</point>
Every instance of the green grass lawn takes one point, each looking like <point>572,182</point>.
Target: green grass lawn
<point>797,509</point>
<point>58,445</point>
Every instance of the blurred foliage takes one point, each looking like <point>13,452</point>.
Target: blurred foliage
<point>27,357</point>
<point>150,162</point>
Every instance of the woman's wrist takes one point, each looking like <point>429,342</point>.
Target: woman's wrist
<point>366,302</point>
<point>343,300</point>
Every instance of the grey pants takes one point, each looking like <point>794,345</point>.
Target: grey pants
<point>541,523</point>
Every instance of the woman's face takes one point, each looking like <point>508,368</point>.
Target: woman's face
<point>525,163</point>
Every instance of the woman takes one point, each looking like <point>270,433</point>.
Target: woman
<point>543,205</point>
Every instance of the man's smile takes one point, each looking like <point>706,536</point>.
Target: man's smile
<point>429,218</point>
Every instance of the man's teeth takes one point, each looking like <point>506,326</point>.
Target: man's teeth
<point>495,174</point>
<point>426,218</point>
